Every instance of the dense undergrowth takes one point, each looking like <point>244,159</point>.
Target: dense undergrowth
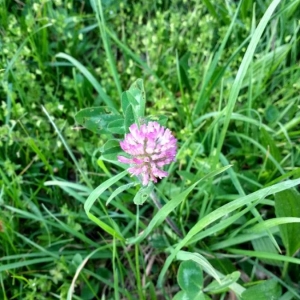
<point>69,55</point>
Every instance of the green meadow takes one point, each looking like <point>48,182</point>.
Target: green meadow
<point>223,76</point>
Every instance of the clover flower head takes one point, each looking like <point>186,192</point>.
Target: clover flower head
<point>150,146</point>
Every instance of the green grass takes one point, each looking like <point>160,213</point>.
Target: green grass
<point>225,73</point>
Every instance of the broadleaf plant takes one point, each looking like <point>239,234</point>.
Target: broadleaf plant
<point>148,144</point>
<point>287,204</point>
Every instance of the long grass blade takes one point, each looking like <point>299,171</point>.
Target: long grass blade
<point>224,210</point>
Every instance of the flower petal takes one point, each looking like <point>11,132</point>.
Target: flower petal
<point>151,146</point>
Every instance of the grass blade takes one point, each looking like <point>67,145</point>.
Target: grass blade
<point>95,194</point>
<point>220,212</point>
<point>237,84</point>
<point>97,4</point>
<point>81,68</point>
<point>170,206</point>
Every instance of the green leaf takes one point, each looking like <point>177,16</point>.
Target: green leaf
<point>270,61</point>
<point>224,265</point>
<point>119,190</point>
<point>186,175</point>
<point>190,277</point>
<point>268,142</point>
<point>267,224</point>
<point>116,126</point>
<point>201,261</point>
<point>25,263</point>
<point>77,259</point>
<point>79,268</point>
<point>271,113</point>
<point>287,204</point>
<point>138,93</point>
<point>219,213</point>
<point>143,194</point>
<point>129,117</point>
<point>216,287</point>
<point>106,99</point>
<point>264,244</point>
<point>183,295</point>
<point>111,149</point>
<point>95,194</point>
<point>161,119</point>
<point>267,255</point>
<point>237,84</point>
<point>124,102</point>
<point>90,290</point>
<point>97,119</point>
<point>267,290</point>
<point>109,145</point>
<point>133,103</point>
<point>170,206</point>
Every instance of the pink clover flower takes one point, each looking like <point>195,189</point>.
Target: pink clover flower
<point>150,147</point>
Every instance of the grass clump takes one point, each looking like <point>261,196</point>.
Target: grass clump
<point>226,76</point>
